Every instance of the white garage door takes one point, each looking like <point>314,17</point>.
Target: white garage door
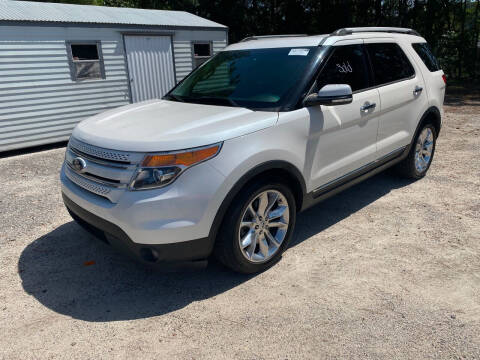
<point>150,66</point>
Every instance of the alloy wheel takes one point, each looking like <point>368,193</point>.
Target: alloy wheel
<point>424,149</point>
<point>263,226</point>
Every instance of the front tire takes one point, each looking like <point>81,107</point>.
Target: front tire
<point>257,227</point>
<point>419,159</point>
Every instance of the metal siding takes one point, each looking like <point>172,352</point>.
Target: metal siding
<point>39,102</point>
<point>150,66</point>
<point>183,58</point>
<point>56,12</point>
<point>183,55</point>
<point>219,46</point>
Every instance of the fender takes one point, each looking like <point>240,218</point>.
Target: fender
<point>434,112</point>
<point>250,175</point>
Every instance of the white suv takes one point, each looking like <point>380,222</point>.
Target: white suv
<point>266,128</point>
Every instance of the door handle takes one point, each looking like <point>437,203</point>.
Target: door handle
<point>367,106</point>
<point>417,90</point>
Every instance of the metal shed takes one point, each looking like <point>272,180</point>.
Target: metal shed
<point>61,63</point>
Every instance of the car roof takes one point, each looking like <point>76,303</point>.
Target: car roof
<point>278,41</point>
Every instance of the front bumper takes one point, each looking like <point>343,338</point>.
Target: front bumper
<point>110,233</point>
<point>179,212</point>
<point>159,225</point>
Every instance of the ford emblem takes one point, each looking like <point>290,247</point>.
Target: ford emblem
<point>79,164</point>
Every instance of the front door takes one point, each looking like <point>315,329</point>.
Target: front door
<point>343,138</point>
<point>150,66</point>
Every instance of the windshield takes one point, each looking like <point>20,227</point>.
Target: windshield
<point>260,79</point>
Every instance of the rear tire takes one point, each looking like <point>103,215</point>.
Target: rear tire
<point>419,159</point>
<point>257,227</point>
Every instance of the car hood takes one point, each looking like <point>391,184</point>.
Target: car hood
<point>162,125</point>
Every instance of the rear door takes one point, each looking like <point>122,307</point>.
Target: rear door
<point>402,94</point>
<point>432,73</point>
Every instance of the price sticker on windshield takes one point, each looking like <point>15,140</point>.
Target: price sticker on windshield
<point>298,52</point>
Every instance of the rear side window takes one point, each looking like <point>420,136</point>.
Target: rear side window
<point>389,63</point>
<point>430,61</point>
<point>347,65</point>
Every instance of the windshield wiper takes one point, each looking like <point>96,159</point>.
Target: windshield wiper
<point>174,97</point>
<point>214,100</point>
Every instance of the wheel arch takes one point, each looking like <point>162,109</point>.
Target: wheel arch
<point>432,114</point>
<point>284,169</point>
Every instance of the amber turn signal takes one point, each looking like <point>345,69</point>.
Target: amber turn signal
<point>186,158</point>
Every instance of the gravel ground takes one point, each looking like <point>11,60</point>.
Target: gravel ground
<point>387,269</point>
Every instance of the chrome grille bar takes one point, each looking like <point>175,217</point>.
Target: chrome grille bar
<point>105,172</point>
<point>96,179</point>
<point>86,184</point>
<point>97,160</point>
<point>105,154</point>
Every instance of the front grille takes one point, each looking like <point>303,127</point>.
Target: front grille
<point>101,153</point>
<point>111,181</point>
<point>85,183</point>
<point>107,172</point>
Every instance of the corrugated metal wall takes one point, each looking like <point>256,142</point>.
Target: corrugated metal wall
<point>183,54</point>
<point>218,45</point>
<point>183,58</point>
<point>39,102</point>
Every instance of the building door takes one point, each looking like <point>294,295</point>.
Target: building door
<point>150,66</point>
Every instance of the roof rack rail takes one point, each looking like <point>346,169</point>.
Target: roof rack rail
<point>254,37</point>
<point>349,31</point>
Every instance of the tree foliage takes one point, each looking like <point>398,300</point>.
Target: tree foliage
<point>450,26</point>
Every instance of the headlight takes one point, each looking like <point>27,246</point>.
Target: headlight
<point>158,170</point>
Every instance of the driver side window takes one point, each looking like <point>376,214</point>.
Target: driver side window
<point>347,65</point>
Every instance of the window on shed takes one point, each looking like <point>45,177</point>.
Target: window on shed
<point>201,53</point>
<point>86,60</point>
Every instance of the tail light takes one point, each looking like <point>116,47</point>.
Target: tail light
<point>444,77</point>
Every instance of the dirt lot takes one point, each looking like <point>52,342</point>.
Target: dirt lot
<point>388,269</point>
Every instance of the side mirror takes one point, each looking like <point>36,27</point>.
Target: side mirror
<point>333,94</point>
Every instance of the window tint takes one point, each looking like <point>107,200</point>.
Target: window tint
<point>219,79</point>
<point>255,78</point>
<point>389,63</point>
<point>85,61</point>
<point>430,61</point>
<point>201,53</point>
<point>347,65</point>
